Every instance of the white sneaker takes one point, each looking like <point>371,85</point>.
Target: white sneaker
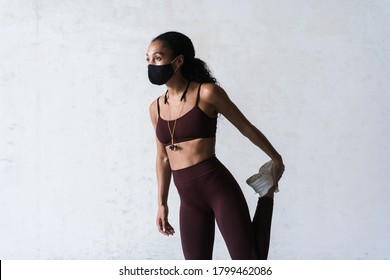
<point>261,182</point>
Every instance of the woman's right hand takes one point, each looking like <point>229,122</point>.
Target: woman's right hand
<point>162,221</point>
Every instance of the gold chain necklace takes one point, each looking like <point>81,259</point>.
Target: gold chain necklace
<point>174,146</point>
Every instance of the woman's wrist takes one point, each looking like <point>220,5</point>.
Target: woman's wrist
<point>164,204</point>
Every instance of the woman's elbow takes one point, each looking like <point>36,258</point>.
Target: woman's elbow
<point>163,159</point>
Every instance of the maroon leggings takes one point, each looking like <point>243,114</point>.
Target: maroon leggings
<point>209,193</point>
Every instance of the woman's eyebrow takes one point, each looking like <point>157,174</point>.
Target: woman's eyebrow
<point>160,53</point>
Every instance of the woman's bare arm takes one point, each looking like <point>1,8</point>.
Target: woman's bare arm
<point>218,98</point>
<point>164,172</point>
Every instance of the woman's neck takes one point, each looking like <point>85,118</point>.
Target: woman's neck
<point>176,87</point>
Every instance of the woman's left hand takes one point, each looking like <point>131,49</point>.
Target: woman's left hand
<point>277,171</point>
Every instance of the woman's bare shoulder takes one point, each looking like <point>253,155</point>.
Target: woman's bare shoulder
<point>153,106</point>
<point>153,110</point>
<point>212,92</point>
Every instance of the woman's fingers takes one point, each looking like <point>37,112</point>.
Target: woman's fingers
<point>164,227</point>
<point>162,221</point>
<point>277,173</point>
<point>169,229</point>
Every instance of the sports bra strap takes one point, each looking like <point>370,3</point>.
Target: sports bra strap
<point>158,106</point>
<point>198,96</point>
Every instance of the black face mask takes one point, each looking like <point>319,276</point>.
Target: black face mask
<point>160,74</point>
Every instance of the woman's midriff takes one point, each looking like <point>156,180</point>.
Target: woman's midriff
<point>191,152</point>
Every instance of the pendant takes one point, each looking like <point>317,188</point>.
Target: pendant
<point>173,147</point>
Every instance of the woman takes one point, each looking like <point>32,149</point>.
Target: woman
<point>185,119</point>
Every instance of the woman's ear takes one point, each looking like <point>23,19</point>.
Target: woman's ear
<point>179,61</point>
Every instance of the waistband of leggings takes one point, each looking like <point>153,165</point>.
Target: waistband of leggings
<point>196,170</point>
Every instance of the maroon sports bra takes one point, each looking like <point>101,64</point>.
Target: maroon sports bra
<point>192,125</point>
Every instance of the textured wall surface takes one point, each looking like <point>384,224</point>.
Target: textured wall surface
<point>77,149</point>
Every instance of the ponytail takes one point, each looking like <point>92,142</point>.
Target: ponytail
<point>197,71</point>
